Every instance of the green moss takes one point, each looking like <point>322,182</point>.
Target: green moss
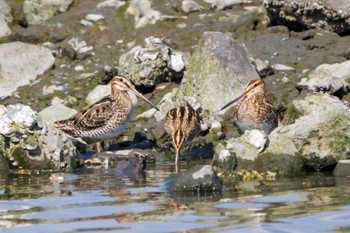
<point>291,115</point>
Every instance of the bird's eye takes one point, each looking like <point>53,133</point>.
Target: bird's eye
<point>255,85</point>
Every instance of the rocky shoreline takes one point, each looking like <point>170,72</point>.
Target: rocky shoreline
<point>53,63</point>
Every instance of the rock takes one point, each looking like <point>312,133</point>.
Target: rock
<point>111,3</point>
<point>94,17</point>
<point>303,14</point>
<point>263,67</point>
<point>342,168</point>
<point>135,165</point>
<point>215,127</point>
<point>152,64</point>
<point>281,67</point>
<point>39,146</point>
<point>5,18</point>
<point>190,6</point>
<point>256,138</point>
<point>199,179</point>
<point>143,12</point>
<point>219,68</point>
<point>37,11</point>
<point>21,64</point>
<point>56,112</point>
<point>223,4</point>
<point>333,79</point>
<point>320,135</point>
<point>79,45</point>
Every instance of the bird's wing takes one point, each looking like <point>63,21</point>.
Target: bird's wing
<point>98,113</point>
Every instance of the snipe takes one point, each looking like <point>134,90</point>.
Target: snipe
<point>106,118</point>
<point>253,110</point>
<point>183,124</point>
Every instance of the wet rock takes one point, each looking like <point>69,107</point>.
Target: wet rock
<point>152,64</point>
<point>37,11</point>
<point>5,18</point>
<point>333,79</point>
<point>39,146</point>
<point>20,64</point>
<point>135,165</point>
<point>342,168</point>
<point>197,180</point>
<point>143,12</point>
<point>190,6</point>
<point>302,14</point>
<point>219,68</point>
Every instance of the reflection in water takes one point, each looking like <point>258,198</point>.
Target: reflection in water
<point>99,200</point>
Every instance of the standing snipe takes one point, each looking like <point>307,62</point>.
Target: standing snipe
<point>253,111</point>
<point>105,118</point>
<point>183,124</point>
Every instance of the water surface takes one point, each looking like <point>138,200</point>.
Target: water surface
<point>97,200</point>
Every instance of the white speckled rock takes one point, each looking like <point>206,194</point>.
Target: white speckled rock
<point>256,138</point>
<point>31,144</point>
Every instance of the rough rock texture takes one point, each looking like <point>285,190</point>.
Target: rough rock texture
<point>152,64</point>
<point>31,61</point>
<point>317,140</point>
<point>29,144</point>
<point>305,14</point>
<point>333,79</point>
<point>143,12</point>
<point>5,18</point>
<point>37,11</point>
<point>219,68</point>
<point>198,179</point>
<point>342,168</point>
<point>56,112</point>
<point>321,134</point>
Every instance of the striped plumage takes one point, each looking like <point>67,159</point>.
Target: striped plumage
<point>105,118</point>
<point>183,124</point>
<point>253,110</point>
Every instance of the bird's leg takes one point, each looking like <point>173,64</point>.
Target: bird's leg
<point>98,147</point>
<point>177,160</point>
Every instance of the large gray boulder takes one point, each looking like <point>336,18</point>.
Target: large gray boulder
<point>317,140</point>
<point>5,18</point>
<point>20,64</point>
<point>333,79</point>
<point>152,63</point>
<point>220,69</point>
<point>305,14</point>
<point>29,144</point>
<point>37,11</point>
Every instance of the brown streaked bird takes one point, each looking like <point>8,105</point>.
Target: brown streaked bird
<point>253,110</point>
<point>106,118</point>
<point>183,124</point>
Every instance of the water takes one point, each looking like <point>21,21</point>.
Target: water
<point>96,200</point>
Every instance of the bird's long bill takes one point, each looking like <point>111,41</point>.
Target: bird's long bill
<point>144,98</point>
<point>233,101</point>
